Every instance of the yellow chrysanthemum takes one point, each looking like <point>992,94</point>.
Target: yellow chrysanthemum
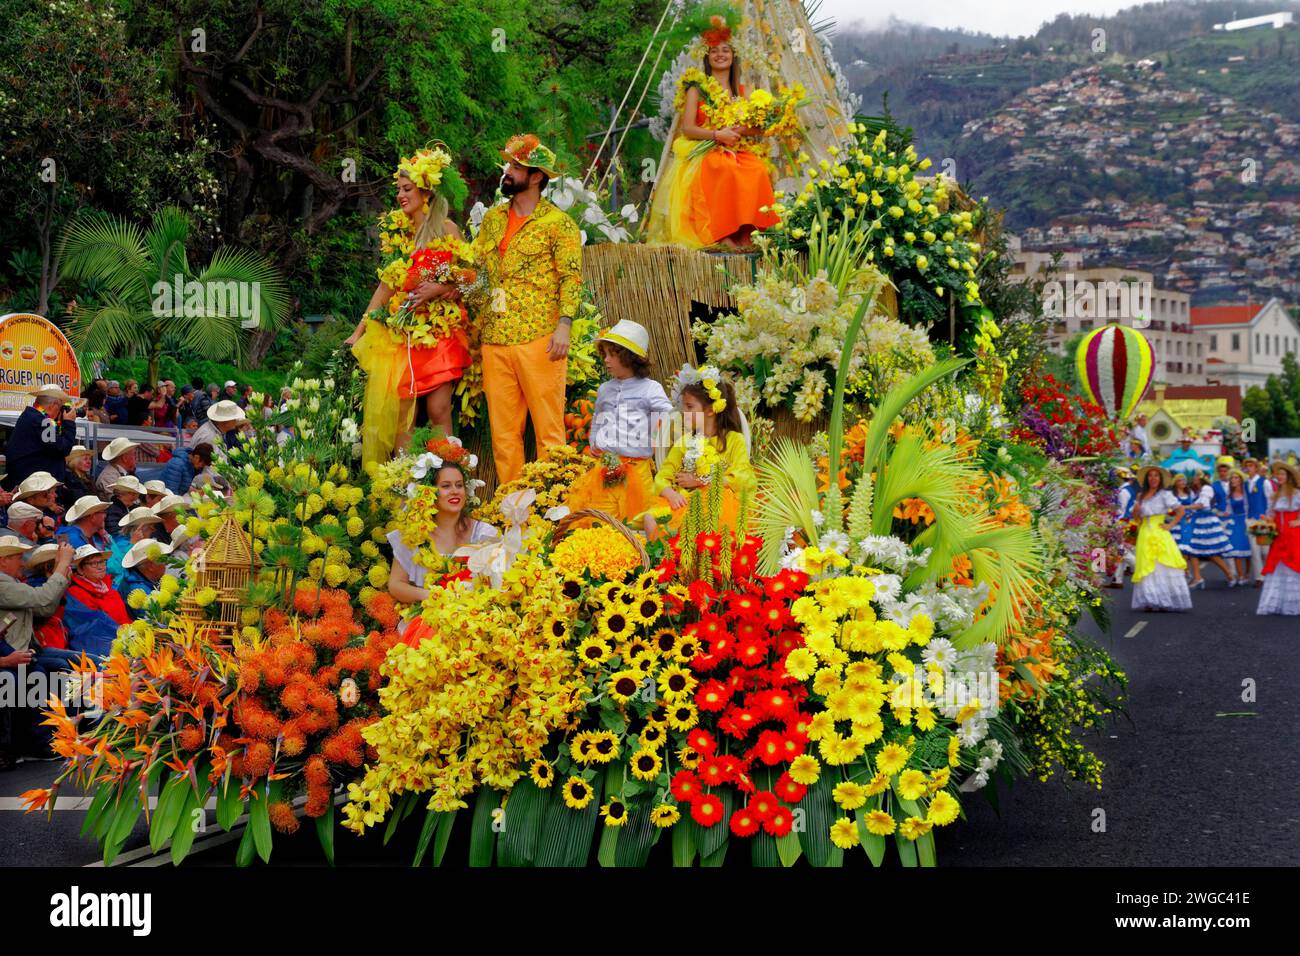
<point>844,833</point>
<point>880,823</point>
<point>849,795</point>
<point>804,769</point>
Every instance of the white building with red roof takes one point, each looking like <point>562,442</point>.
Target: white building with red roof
<point>1246,342</point>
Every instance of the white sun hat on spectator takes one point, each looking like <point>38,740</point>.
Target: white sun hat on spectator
<point>21,511</point>
<point>144,550</point>
<point>225,411</point>
<point>129,483</point>
<point>87,551</point>
<point>138,516</point>
<point>36,483</point>
<point>39,555</point>
<point>156,487</point>
<point>11,545</point>
<point>117,448</point>
<point>84,506</point>
<point>50,391</point>
<point>80,451</point>
<point>169,504</point>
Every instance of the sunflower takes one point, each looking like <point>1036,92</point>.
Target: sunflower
<point>623,685</point>
<point>665,815</point>
<point>614,812</point>
<point>559,628</point>
<point>644,664</point>
<point>572,588</point>
<point>608,593</point>
<point>580,747</point>
<point>604,746</point>
<point>647,581</point>
<point>646,764</point>
<point>636,647</point>
<point>647,608</point>
<point>593,652</point>
<point>614,624</point>
<point>664,640</point>
<point>653,736</point>
<point>682,716</point>
<point>676,682</point>
<point>543,774</point>
<point>688,758</point>
<point>686,648</point>
<point>577,793</point>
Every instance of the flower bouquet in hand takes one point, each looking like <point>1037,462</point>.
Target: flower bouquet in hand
<point>448,261</point>
<point>1264,531</point>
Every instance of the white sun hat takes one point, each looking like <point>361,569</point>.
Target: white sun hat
<point>87,551</point>
<point>138,516</point>
<point>36,483</point>
<point>83,506</point>
<point>128,483</point>
<point>10,545</point>
<point>141,551</point>
<point>225,411</point>
<point>170,503</point>
<point>631,335</point>
<point>117,448</point>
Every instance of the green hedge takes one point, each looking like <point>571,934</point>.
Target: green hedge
<point>211,372</point>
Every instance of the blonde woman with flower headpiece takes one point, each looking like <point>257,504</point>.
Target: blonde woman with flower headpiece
<point>713,447</point>
<point>717,189</point>
<point>436,523</point>
<point>414,339</point>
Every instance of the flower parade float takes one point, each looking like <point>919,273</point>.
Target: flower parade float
<point>888,632</point>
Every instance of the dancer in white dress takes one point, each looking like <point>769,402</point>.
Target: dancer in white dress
<point>1281,592</point>
<point>1159,583</point>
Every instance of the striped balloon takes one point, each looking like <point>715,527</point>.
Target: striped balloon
<point>1115,368</point>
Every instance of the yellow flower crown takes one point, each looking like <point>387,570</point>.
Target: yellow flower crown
<point>707,376</point>
<point>425,168</point>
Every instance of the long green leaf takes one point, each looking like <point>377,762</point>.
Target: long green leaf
<point>440,841</point>
<point>431,820</point>
<point>171,804</point>
<point>230,805</point>
<point>483,836</point>
<point>683,843</point>
<point>259,823</point>
<point>325,832</point>
<point>103,794</point>
<point>184,833</point>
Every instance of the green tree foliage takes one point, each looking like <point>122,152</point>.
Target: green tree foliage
<point>1275,408</point>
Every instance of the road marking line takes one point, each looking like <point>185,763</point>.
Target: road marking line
<point>1133,631</point>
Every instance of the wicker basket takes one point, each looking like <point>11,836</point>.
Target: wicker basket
<point>571,521</point>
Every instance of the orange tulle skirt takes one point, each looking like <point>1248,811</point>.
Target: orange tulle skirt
<point>706,198</point>
<point>625,499</point>
<point>670,519</point>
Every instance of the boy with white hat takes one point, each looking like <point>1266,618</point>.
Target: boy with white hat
<point>142,570</point>
<point>120,455</point>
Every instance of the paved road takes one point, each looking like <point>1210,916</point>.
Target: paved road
<point>1182,786</point>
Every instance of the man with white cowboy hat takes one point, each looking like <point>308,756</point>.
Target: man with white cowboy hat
<point>40,490</point>
<point>223,416</point>
<point>19,604</point>
<point>154,492</point>
<point>45,432</point>
<point>142,570</point>
<point>120,455</point>
<point>127,494</point>
<point>84,523</point>
<point>171,512</point>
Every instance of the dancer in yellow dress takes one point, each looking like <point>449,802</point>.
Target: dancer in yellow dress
<point>1159,583</point>
<point>713,447</point>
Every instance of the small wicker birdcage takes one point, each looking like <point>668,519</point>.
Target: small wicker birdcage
<point>226,565</point>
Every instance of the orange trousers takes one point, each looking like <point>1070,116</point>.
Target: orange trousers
<point>522,381</point>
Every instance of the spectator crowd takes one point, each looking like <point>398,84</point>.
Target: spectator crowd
<point>77,546</point>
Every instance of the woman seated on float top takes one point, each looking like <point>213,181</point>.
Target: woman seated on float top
<point>437,509</point>
<point>721,196</point>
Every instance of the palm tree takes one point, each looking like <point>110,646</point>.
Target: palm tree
<point>137,313</point>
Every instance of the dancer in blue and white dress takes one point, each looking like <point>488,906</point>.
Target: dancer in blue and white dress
<point>1234,520</point>
<point>1209,539</point>
<point>1259,492</point>
<point>1186,497</point>
<point>1158,580</point>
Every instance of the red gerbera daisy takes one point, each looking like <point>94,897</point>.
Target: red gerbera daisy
<point>709,541</point>
<point>792,746</point>
<point>744,823</point>
<point>780,822</point>
<point>701,741</point>
<point>712,696</point>
<point>712,772</point>
<point>788,790</point>
<point>701,594</point>
<point>763,804</point>
<point>685,785</point>
<point>707,810</point>
<point>751,652</point>
<point>770,748</point>
<point>773,703</point>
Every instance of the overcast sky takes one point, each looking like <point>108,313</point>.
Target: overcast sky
<point>999,17</point>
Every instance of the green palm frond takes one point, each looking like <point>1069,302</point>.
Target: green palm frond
<point>892,405</point>
<point>165,241</point>
<point>111,250</point>
<point>787,488</point>
<point>115,328</point>
<point>246,267</point>
<point>1011,559</point>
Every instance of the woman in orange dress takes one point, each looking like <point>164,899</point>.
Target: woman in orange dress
<point>411,342</point>
<point>720,193</point>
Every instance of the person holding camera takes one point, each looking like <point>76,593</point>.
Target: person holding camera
<point>43,435</point>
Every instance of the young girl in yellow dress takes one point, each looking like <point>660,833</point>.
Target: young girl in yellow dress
<point>629,410</point>
<point>413,342</point>
<point>714,446</point>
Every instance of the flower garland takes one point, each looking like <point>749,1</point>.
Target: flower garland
<point>721,109</point>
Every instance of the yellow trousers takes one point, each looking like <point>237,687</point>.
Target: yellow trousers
<point>522,381</point>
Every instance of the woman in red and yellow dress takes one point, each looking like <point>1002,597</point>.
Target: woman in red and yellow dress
<point>717,194</point>
<point>412,341</point>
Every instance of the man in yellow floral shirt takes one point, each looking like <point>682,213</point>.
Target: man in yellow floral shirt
<point>532,255</point>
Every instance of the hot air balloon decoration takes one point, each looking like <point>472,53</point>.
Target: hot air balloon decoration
<point>1115,368</point>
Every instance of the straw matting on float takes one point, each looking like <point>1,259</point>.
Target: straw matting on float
<point>655,286</point>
